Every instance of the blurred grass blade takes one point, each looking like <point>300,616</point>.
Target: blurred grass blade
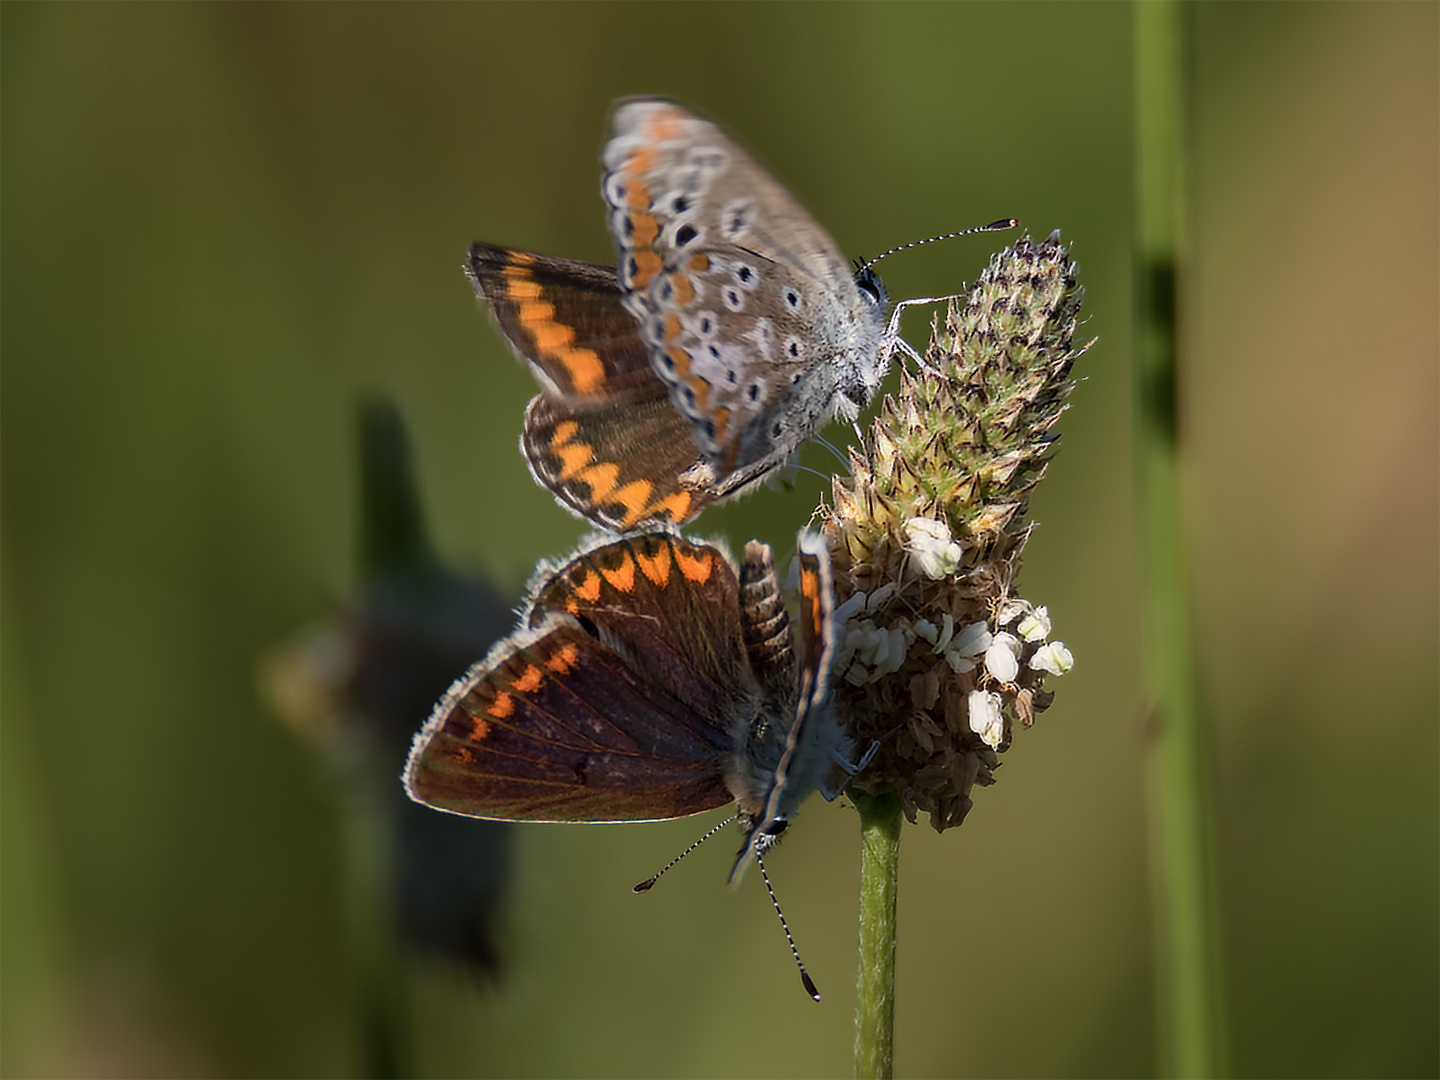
<point>1180,791</point>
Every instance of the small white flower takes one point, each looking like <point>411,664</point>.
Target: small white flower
<point>958,663</point>
<point>853,606</point>
<point>926,631</point>
<point>967,645</point>
<point>947,631</point>
<point>972,640</point>
<point>985,718</point>
<point>1053,657</point>
<point>936,553</point>
<point>1002,658</point>
<point>880,595</point>
<point>1010,611</point>
<point>1035,626</point>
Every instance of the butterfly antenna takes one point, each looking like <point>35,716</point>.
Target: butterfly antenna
<point>644,886</point>
<point>828,445</point>
<point>994,226</point>
<point>804,975</point>
<point>812,472</point>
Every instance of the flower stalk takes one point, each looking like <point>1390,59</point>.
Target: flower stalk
<point>879,879</point>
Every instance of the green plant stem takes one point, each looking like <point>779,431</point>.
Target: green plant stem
<point>1179,786</point>
<point>875,1005</point>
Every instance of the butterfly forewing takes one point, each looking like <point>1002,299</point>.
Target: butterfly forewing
<point>742,298</point>
<point>565,319</point>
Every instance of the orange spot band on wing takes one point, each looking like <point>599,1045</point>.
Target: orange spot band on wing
<point>535,312</point>
<point>622,577</point>
<point>588,588</point>
<point>665,124</point>
<point>810,590</point>
<point>677,506</point>
<point>587,372</point>
<point>529,680</point>
<point>637,194</point>
<point>635,498</point>
<point>601,479</point>
<point>697,568</point>
<point>701,389</point>
<point>684,290</point>
<point>520,287</point>
<point>564,658</point>
<point>656,567</point>
<point>501,707</point>
<point>479,728</point>
<point>722,421</point>
<point>574,456</point>
<point>552,336</point>
<point>643,230</point>
<point>642,159</point>
<point>647,265</point>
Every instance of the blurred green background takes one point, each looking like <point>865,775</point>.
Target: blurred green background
<point>223,224</point>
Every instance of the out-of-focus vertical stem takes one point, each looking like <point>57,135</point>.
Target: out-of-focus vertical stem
<point>875,1001</point>
<point>1180,788</point>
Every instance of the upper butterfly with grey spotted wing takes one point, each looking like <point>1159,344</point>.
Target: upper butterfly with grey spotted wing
<point>750,313</point>
<point>648,680</point>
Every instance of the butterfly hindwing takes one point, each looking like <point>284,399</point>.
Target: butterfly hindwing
<point>619,466</point>
<point>618,701</point>
<point>556,727</point>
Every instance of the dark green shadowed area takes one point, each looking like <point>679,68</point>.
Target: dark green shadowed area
<point>226,225</point>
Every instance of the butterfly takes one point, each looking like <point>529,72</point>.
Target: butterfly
<point>650,678</point>
<point>730,330</point>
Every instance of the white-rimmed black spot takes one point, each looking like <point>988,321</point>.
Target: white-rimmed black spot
<point>685,234</point>
<point>793,348</point>
<point>734,300</point>
<point>791,296</point>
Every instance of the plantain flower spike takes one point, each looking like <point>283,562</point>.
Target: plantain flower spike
<point>937,654</point>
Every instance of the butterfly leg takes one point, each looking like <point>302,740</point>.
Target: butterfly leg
<point>852,769</point>
<point>893,340</point>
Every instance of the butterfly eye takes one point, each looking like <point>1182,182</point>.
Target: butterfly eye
<point>776,827</point>
<point>869,284</point>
